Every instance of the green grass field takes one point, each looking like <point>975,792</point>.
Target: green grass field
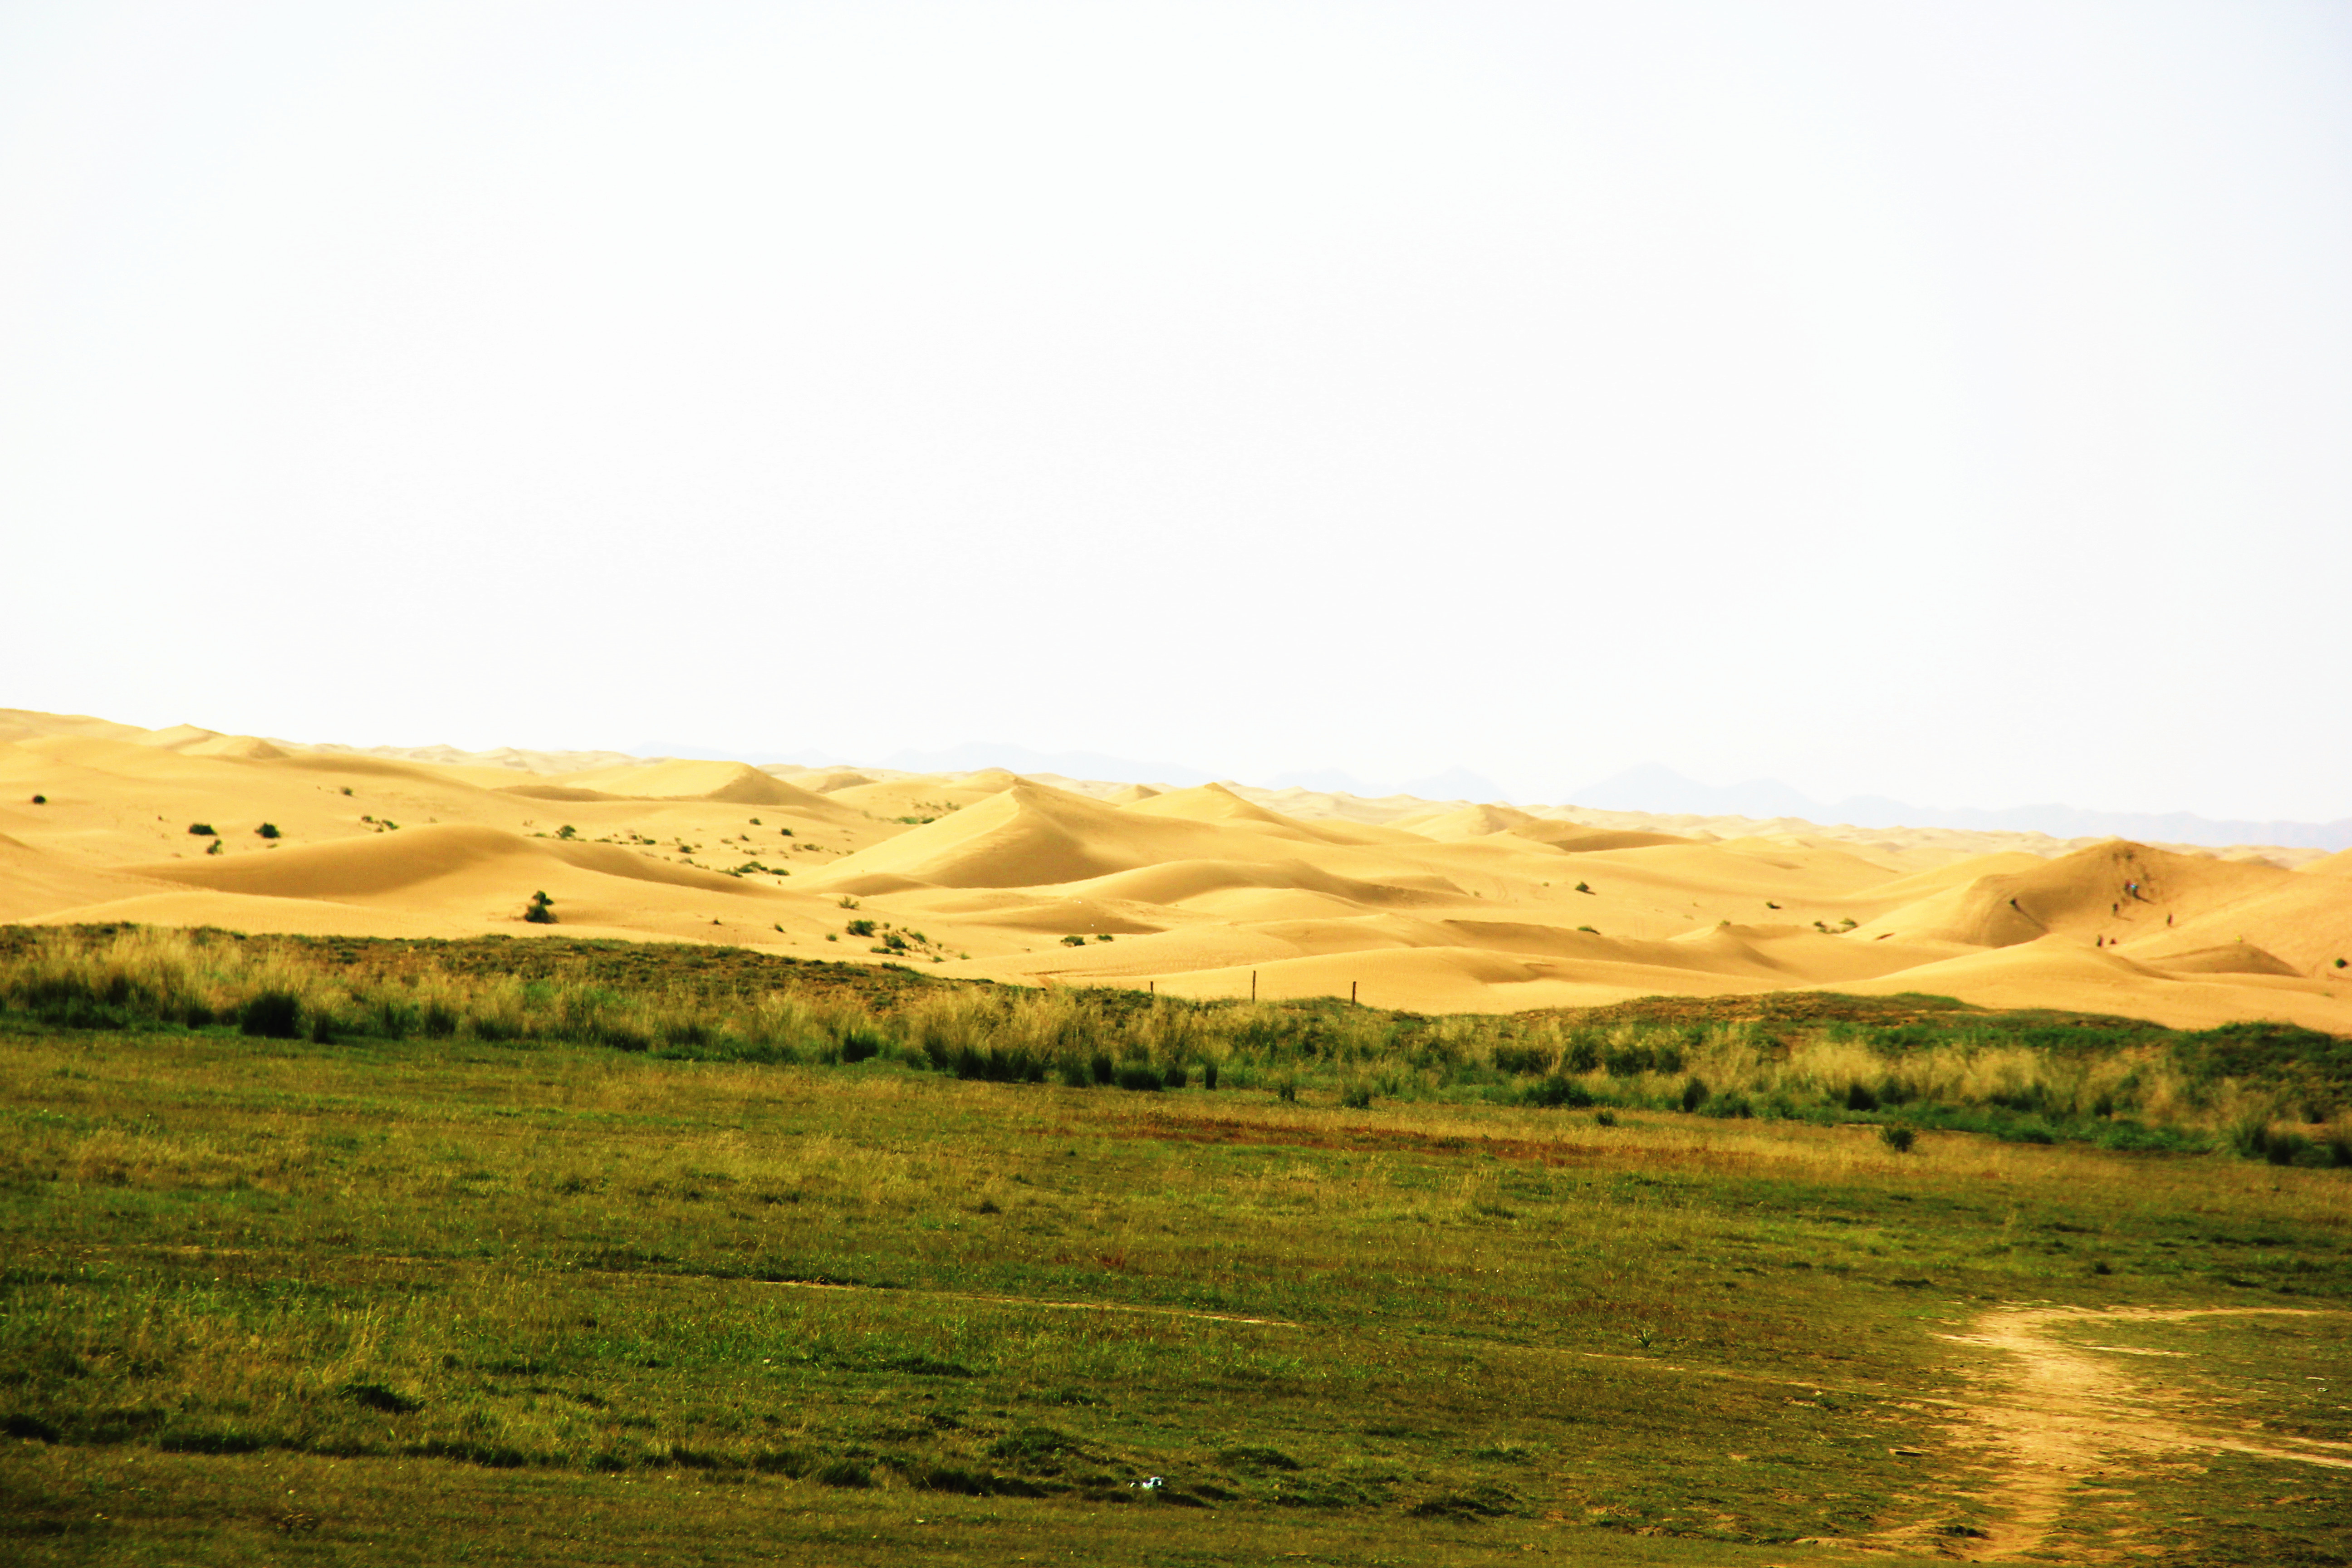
<point>452,1299</point>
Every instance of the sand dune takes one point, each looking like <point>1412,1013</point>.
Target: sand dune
<point>737,784</point>
<point>828,780</point>
<point>2058,971</point>
<point>371,868</point>
<point>1432,906</point>
<point>2107,894</point>
<point>2336,865</point>
<point>919,796</point>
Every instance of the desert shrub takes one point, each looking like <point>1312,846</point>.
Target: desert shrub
<point>267,830</point>
<point>859,927</point>
<point>1522,1061</point>
<point>1628,1061</point>
<point>1074,942</point>
<point>1557,1091</point>
<point>541,911</point>
<point>202,830</point>
<point>567,831</point>
<point>1581,1054</point>
<point>274,1014</point>
<point>2257,1140</point>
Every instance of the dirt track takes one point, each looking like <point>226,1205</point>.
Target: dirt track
<point>2053,1413</point>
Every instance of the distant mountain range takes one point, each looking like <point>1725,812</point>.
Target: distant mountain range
<point>1654,788</point>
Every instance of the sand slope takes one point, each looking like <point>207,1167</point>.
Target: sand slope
<point>1206,890</point>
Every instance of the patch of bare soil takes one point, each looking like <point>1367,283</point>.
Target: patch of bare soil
<point>2053,1413</point>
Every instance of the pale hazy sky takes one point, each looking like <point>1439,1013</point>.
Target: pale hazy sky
<point>1951,402</point>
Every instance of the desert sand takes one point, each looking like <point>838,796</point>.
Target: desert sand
<point>1212,890</point>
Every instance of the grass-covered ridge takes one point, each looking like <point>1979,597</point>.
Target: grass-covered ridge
<point>2268,1091</point>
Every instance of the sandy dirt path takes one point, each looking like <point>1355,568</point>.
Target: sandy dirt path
<point>2054,1413</point>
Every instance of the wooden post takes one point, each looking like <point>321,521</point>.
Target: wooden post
<point>1155,987</point>
<point>1352,993</point>
<point>1252,985</point>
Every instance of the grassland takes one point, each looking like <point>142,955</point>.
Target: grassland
<point>2268,1091</point>
<point>482,1284</point>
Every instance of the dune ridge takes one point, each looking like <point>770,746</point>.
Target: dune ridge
<point>1208,890</point>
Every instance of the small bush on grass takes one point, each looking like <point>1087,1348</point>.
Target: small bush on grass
<point>1557,1091</point>
<point>1522,1061</point>
<point>376,1396</point>
<point>1897,1137</point>
<point>847,1473</point>
<point>274,1015</point>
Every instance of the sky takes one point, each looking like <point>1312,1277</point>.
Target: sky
<point>1939,401</point>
